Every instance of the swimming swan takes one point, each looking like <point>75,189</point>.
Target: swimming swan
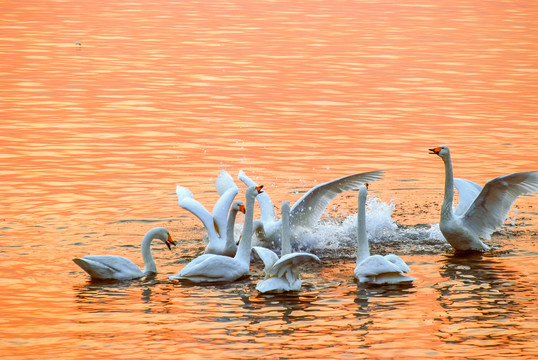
<point>307,211</point>
<point>375,269</point>
<point>480,210</point>
<point>220,268</point>
<point>282,274</point>
<point>216,223</point>
<point>112,267</point>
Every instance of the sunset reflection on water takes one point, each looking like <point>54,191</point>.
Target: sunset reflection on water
<point>95,136</point>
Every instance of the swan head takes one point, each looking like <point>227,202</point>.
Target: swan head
<point>363,192</point>
<point>441,151</point>
<point>163,235</point>
<point>238,206</point>
<point>253,191</point>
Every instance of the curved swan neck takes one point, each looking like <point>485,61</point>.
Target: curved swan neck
<point>285,214</point>
<point>363,249</point>
<point>149,263</point>
<point>448,201</point>
<point>230,240</point>
<point>244,248</point>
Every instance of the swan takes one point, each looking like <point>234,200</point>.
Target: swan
<point>375,269</point>
<point>282,274</point>
<point>220,268</point>
<point>480,210</point>
<point>307,211</point>
<point>216,223</point>
<point>237,206</point>
<point>112,267</point>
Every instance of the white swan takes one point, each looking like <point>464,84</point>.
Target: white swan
<point>282,274</point>
<point>481,210</point>
<point>237,206</point>
<point>375,269</point>
<point>112,267</point>
<point>220,268</point>
<point>216,223</point>
<point>307,211</point>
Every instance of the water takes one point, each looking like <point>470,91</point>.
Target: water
<point>96,135</point>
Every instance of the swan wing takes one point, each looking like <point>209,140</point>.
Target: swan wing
<point>267,208</point>
<point>212,268</point>
<point>224,182</point>
<point>276,284</point>
<point>396,260</point>
<point>375,265</point>
<point>492,205</point>
<point>289,262</point>
<point>187,202</point>
<point>468,191</point>
<point>109,267</point>
<point>221,209</point>
<point>308,209</point>
<point>268,257</point>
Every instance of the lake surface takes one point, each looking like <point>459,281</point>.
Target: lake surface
<point>105,107</point>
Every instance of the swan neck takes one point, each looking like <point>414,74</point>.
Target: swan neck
<point>230,241</point>
<point>448,201</point>
<point>363,249</point>
<point>286,243</point>
<point>149,263</point>
<point>244,248</point>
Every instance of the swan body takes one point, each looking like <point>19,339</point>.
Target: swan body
<point>480,210</point>
<point>376,269</point>
<point>282,274</point>
<point>112,267</point>
<point>216,222</point>
<point>221,268</point>
<point>307,211</point>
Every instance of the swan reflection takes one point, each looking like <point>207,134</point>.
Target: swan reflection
<point>478,288</point>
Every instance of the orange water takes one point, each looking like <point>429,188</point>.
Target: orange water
<point>95,137</point>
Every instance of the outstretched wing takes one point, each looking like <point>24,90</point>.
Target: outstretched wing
<point>468,191</point>
<point>491,207</point>
<point>187,202</point>
<point>268,257</point>
<point>267,208</point>
<point>308,209</point>
<point>221,209</point>
<point>224,182</point>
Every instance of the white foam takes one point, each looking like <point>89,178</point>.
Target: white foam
<point>334,234</point>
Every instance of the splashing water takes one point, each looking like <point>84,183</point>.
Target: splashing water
<point>337,237</point>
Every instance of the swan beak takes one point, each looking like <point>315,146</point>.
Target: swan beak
<point>170,241</point>
<point>436,151</point>
<point>242,208</point>
<point>367,185</point>
<point>259,188</point>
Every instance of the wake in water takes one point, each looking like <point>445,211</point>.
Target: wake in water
<point>338,237</point>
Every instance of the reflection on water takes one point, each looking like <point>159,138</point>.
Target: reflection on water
<point>480,296</point>
<point>96,135</point>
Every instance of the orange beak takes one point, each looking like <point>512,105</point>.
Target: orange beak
<point>242,208</point>
<point>367,185</point>
<point>259,188</point>
<point>436,151</point>
<point>170,241</point>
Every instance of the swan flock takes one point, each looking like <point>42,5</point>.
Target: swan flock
<point>480,211</point>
